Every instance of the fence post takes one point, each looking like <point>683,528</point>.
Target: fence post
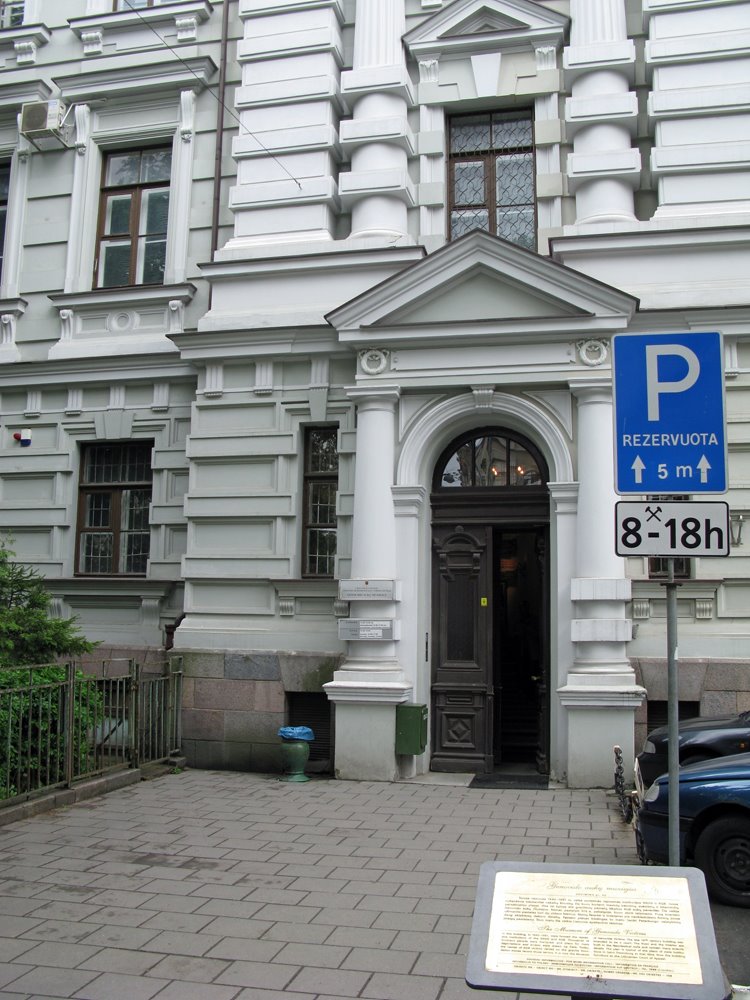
<point>70,695</point>
<point>135,714</point>
<point>174,666</point>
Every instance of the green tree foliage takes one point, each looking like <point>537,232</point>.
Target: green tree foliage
<point>27,633</point>
<point>33,698</point>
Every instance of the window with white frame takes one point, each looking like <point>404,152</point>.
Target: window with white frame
<point>491,174</point>
<point>114,499</point>
<point>11,13</point>
<point>133,214</point>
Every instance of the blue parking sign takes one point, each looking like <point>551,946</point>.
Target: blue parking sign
<point>670,428</point>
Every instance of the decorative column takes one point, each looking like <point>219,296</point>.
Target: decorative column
<point>601,694</point>
<point>371,683</point>
<point>602,113</point>
<point>378,189</point>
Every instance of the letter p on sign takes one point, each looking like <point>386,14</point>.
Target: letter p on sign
<point>655,387</point>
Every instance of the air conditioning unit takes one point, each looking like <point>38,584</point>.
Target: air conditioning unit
<point>43,124</point>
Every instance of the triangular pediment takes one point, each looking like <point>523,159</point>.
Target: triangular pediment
<point>481,287</point>
<point>508,23</point>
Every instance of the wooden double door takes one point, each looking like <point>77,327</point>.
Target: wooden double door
<point>490,645</point>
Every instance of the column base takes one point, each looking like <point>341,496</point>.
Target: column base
<point>598,718</point>
<point>365,704</point>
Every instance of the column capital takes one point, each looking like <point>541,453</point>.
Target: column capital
<point>592,390</point>
<point>408,500</point>
<point>374,397</point>
<point>564,496</point>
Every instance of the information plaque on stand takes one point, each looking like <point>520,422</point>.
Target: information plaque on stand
<point>602,931</point>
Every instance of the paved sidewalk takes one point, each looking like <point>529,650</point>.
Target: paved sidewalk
<point>227,886</point>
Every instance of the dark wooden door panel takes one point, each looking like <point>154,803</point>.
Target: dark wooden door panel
<point>462,674</point>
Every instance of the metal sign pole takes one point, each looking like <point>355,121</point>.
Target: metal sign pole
<point>673,758</point>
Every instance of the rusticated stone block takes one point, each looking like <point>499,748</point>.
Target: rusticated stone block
<point>719,703</point>
<point>252,666</point>
<point>255,727</point>
<point>265,758</point>
<point>728,675</point>
<point>308,671</point>
<point>205,754</point>
<point>203,664</point>
<point>188,693</point>
<point>269,697</point>
<point>206,725</point>
<point>227,695</point>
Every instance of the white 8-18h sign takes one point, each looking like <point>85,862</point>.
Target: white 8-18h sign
<point>668,528</point>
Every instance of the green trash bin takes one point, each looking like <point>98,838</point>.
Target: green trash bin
<point>411,729</point>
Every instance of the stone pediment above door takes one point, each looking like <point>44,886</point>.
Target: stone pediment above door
<point>486,25</point>
<point>482,289</point>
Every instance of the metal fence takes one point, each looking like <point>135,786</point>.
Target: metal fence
<point>58,725</point>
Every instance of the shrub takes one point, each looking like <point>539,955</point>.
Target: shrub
<point>32,699</point>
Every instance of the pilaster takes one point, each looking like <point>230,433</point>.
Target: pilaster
<point>371,682</point>
<point>600,694</point>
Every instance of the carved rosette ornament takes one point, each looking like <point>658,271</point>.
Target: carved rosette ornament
<point>374,361</point>
<point>592,353</point>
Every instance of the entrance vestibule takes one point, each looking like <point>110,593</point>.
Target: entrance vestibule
<point>490,652</point>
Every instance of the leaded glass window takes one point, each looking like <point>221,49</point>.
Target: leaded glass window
<point>321,480</point>
<point>113,511</point>
<point>492,176</point>
<point>134,209</point>
<point>486,459</point>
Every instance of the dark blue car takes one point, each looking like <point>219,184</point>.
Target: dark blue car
<point>698,739</point>
<point>714,824</point>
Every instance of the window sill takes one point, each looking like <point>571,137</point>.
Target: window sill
<point>117,321</point>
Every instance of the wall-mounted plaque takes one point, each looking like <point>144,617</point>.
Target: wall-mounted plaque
<point>595,930</point>
<point>369,590</point>
<point>367,628</point>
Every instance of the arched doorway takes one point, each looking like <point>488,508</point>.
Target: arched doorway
<point>490,650</point>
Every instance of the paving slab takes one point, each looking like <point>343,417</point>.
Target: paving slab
<point>232,886</point>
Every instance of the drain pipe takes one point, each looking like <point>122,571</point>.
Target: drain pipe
<point>221,95</point>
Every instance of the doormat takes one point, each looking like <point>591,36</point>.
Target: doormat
<point>500,779</point>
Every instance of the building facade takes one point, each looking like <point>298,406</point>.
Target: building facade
<point>306,320</point>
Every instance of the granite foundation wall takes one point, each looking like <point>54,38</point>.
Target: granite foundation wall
<point>721,687</point>
<point>234,703</point>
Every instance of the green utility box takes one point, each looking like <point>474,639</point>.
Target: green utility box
<point>411,729</point>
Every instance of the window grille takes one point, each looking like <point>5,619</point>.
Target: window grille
<point>113,510</point>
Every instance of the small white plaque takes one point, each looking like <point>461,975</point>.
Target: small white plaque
<point>367,590</point>
<point>382,629</point>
